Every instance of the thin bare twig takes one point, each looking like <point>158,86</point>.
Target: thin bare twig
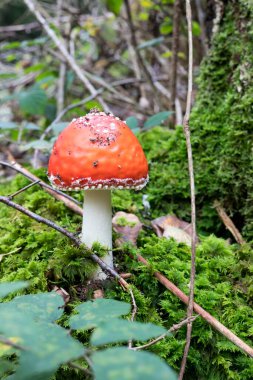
<point>137,52</point>
<point>175,46</point>
<point>228,223</point>
<point>161,337</point>
<point>134,311</point>
<point>192,188</point>
<point>79,367</point>
<point>9,342</point>
<point>11,196</point>
<point>20,28</point>
<point>61,47</point>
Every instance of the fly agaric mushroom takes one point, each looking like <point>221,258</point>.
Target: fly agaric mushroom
<point>97,153</point>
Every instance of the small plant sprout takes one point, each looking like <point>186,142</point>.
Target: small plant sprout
<point>98,153</point>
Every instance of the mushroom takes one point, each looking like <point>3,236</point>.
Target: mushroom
<point>97,153</point>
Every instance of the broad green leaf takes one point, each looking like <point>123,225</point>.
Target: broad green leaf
<point>157,119</point>
<point>132,122</point>
<point>46,345</point>
<point>114,6</point>
<point>92,313</point>
<point>150,43</point>
<point>10,287</point>
<point>38,144</point>
<point>124,364</point>
<point>8,125</point>
<point>42,306</point>
<point>33,100</point>
<point>122,330</point>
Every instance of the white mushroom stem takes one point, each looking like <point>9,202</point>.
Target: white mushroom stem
<point>97,224</point>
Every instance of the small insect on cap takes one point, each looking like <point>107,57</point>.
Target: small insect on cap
<point>97,151</point>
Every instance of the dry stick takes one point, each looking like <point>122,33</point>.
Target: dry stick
<point>11,196</point>
<point>199,310</point>
<point>69,201</point>
<point>175,327</point>
<point>60,45</point>
<point>135,46</point>
<point>228,223</point>
<point>134,311</point>
<point>9,342</point>
<point>68,234</point>
<point>192,188</point>
<point>20,28</point>
<point>175,47</point>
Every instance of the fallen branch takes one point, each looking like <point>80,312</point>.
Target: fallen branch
<point>228,223</point>
<point>199,310</point>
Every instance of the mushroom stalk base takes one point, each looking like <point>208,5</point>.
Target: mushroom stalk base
<point>97,224</point>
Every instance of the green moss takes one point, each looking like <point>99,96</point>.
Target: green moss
<point>124,222</point>
<point>217,290</point>
<point>35,252</point>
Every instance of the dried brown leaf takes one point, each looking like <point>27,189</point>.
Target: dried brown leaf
<point>127,226</point>
<point>170,226</point>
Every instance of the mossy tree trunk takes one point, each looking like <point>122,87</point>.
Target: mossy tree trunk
<point>222,119</point>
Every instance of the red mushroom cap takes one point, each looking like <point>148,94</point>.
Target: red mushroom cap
<point>97,151</point>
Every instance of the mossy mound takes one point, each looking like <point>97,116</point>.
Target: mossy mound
<point>224,284</point>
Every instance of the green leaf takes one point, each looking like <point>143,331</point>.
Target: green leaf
<point>136,130</point>
<point>11,45</point>
<point>166,28</point>
<point>157,119</point>
<point>132,122</point>
<point>196,29</point>
<point>124,364</point>
<point>92,313</point>
<point>38,144</point>
<point>122,330</point>
<point>45,345</point>
<point>114,6</point>
<point>150,43</point>
<point>33,100</point>
<point>31,127</point>
<point>45,306</point>
<point>10,287</point>
<point>8,125</point>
